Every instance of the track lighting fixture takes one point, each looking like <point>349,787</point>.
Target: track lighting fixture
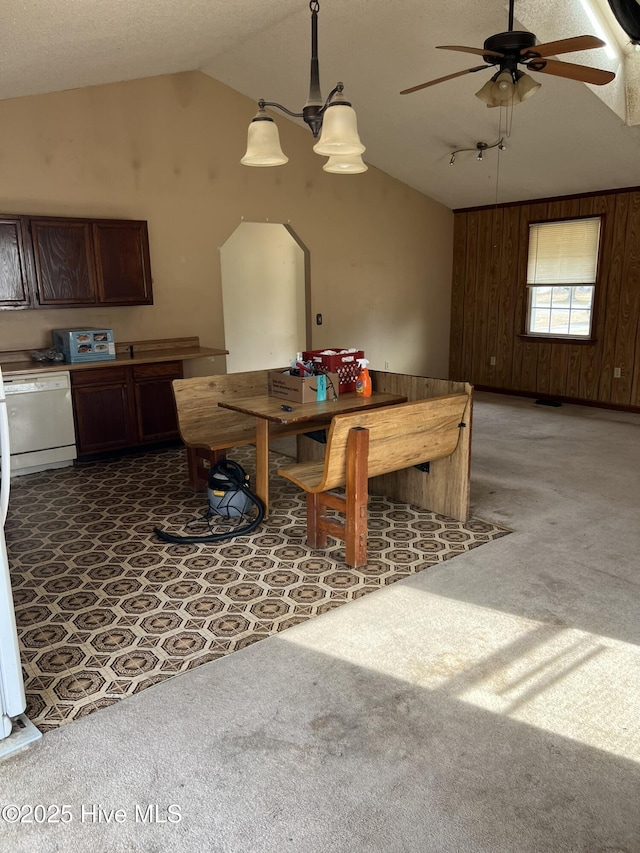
<point>480,148</point>
<point>333,120</point>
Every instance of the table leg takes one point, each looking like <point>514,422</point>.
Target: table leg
<point>262,462</point>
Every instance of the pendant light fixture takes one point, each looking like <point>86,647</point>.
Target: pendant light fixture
<point>333,120</point>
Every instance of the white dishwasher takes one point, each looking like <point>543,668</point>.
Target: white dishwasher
<point>41,430</point>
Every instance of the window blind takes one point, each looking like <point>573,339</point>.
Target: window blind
<point>563,252</point>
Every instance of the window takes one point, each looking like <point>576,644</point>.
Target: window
<point>561,277</point>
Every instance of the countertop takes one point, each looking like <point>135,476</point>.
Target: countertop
<point>18,362</point>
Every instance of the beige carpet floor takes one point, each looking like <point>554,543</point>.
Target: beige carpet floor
<point>488,704</point>
<point>105,610</point>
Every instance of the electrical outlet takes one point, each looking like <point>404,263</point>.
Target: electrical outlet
<point>492,361</point>
<point>617,371</point>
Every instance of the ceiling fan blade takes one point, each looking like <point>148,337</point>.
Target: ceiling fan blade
<point>442,79</point>
<point>574,72</point>
<point>553,48</point>
<point>479,51</point>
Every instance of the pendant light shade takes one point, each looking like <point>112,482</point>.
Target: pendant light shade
<point>263,143</point>
<point>485,93</point>
<point>503,87</point>
<point>526,87</point>
<point>345,164</point>
<point>339,131</point>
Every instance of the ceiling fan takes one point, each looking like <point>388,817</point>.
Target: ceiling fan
<point>516,47</point>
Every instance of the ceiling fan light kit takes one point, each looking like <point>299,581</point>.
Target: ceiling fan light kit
<point>517,47</point>
<point>507,88</point>
<point>333,120</point>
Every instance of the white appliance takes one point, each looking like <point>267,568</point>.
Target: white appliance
<point>41,428</point>
<point>15,729</point>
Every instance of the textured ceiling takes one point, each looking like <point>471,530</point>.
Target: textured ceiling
<point>569,138</point>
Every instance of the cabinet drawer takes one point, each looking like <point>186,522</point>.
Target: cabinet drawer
<point>162,370</point>
<point>99,376</point>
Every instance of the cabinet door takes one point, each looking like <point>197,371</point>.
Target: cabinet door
<point>102,409</point>
<point>64,264</point>
<point>122,262</point>
<point>155,404</point>
<point>14,289</point>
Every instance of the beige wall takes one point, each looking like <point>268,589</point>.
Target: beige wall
<point>167,149</point>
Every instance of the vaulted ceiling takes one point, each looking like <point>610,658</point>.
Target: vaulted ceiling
<point>568,138</point>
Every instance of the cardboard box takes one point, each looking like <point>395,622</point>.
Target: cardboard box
<point>299,389</point>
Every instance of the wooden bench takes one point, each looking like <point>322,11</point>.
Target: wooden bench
<point>446,488</point>
<point>370,444</point>
<point>209,431</point>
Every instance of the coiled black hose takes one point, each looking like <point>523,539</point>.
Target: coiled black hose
<point>234,473</point>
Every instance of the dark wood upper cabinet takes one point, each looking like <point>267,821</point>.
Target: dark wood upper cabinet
<point>122,263</point>
<point>64,262</point>
<point>14,282</point>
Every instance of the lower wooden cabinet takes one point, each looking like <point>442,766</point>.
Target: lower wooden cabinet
<point>102,409</point>
<point>155,407</point>
<point>123,406</point>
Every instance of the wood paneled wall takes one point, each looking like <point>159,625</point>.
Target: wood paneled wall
<point>489,304</point>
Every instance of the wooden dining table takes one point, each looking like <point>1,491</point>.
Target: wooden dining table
<point>273,410</point>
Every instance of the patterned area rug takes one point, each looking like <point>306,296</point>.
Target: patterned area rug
<point>105,610</point>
